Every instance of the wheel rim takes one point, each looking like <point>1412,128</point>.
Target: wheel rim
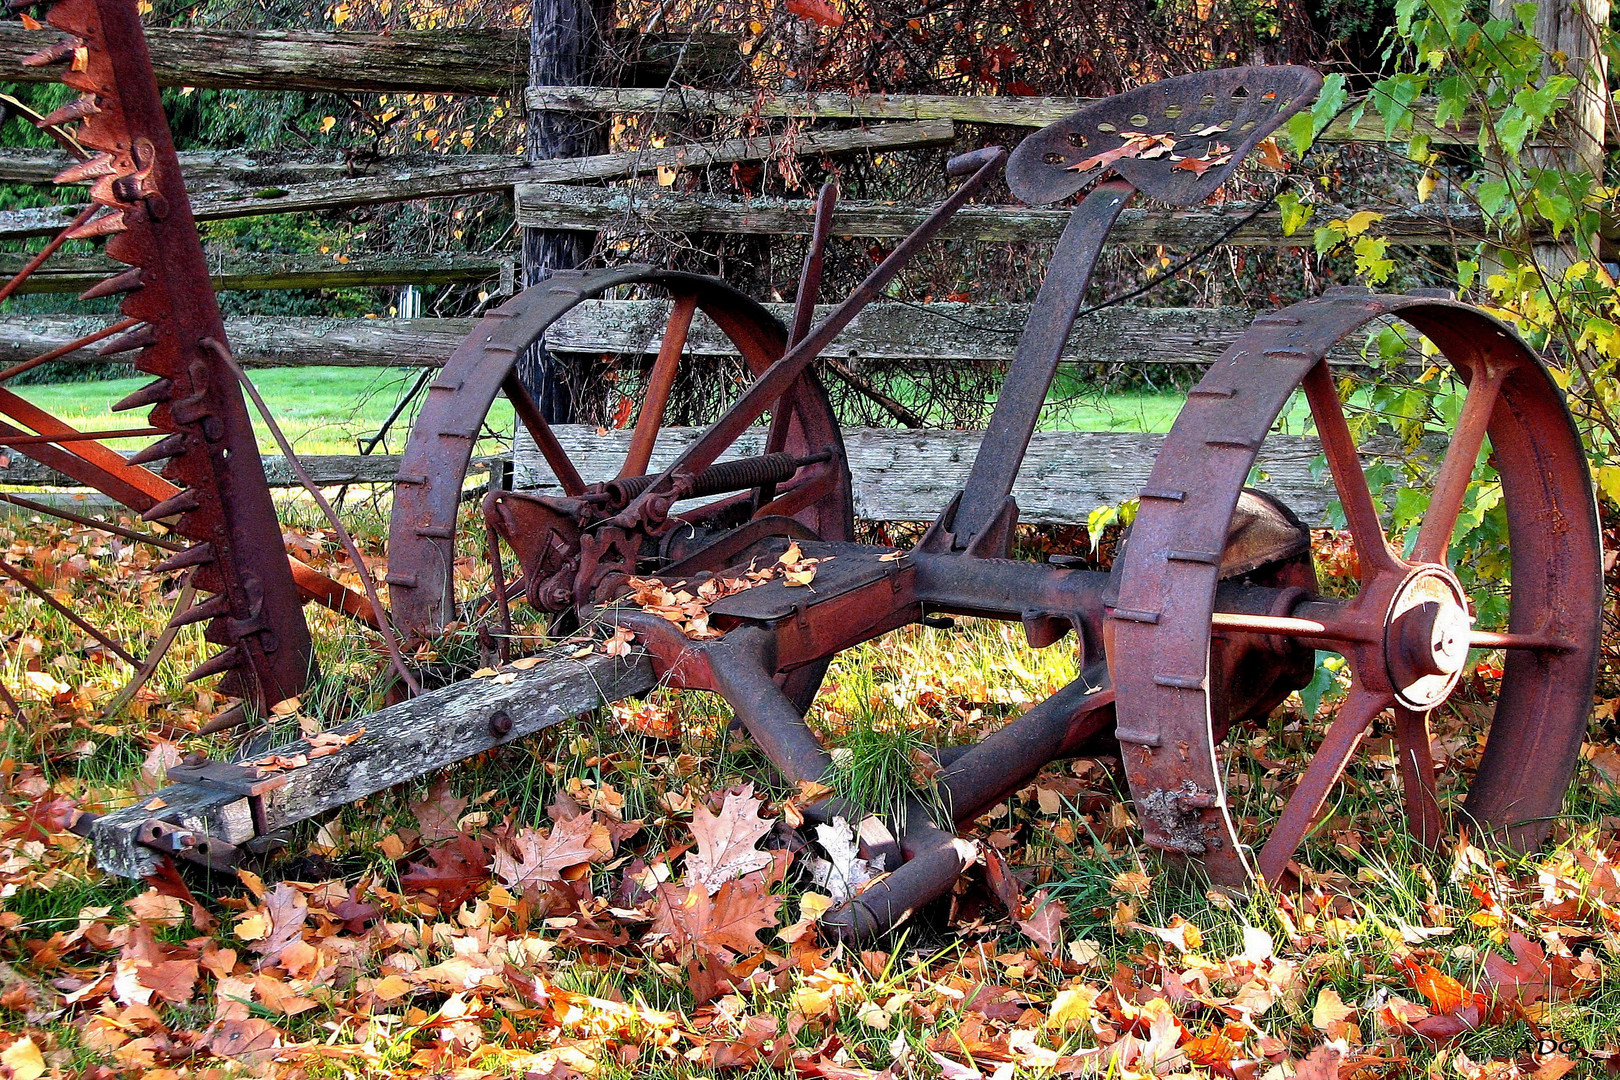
<point>434,466</point>
<point>1161,628</point>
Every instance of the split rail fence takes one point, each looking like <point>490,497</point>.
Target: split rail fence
<point>900,474</point>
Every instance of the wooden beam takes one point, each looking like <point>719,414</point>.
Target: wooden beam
<point>887,330</point>
<point>965,109</point>
<point>245,172</point>
<point>75,273</point>
<point>398,744</point>
<point>910,475</point>
<point>484,62</point>
<point>327,470</point>
<point>639,208</point>
<point>452,179</point>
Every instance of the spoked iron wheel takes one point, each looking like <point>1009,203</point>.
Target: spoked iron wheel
<point>211,488</point>
<point>1407,633</point>
<point>796,476</point>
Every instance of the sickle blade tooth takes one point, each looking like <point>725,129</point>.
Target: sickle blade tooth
<point>155,392</point>
<point>138,338</point>
<point>231,717</point>
<point>212,608</point>
<point>77,109</point>
<point>169,447</point>
<point>183,503</point>
<point>219,662</point>
<point>104,225</point>
<point>128,281</point>
<point>53,54</point>
<point>83,171</point>
<point>197,555</point>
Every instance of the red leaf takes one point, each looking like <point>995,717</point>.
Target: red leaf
<point>167,881</point>
<point>817,11</point>
<point>451,874</point>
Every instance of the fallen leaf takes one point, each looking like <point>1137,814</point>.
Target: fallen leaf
<point>23,1059</point>
<point>816,11</point>
<point>438,812</point>
<point>534,858</point>
<point>1330,1009</point>
<point>726,841</point>
<point>843,871</point>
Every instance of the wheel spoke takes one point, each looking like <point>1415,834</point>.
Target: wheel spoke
<point>659,384</point>
<point>544,438</point>
<point>1345,463</point>
<point>1417,775</point>
<point>1341,740</point>
<point>45,253</point>
<point>155,655</point>
<point>1451,486</point>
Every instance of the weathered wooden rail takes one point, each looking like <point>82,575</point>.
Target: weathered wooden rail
<point>956,332</point>
<point>449,177</point>
<point>899,475</point>
<point>75,273</point>
<point>638,208</point>
<point>462,61</point>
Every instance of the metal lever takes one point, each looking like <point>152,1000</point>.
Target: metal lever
<point>963,164</point>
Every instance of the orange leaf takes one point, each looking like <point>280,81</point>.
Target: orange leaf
<point>1444,993</point>
<point>817,11</point>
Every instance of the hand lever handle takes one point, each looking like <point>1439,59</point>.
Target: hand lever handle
<point>962,164</point>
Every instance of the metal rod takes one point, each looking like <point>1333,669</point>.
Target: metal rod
<point>659,384</point>
<point>544,438</point>
<point>157,652</point>
<point>62,350</point>
<point>79,436</point>
<point>775,380</point>
<point>45,253</point>
<point>378,611</point>
<point>61,609</point>
<point>91,523</point>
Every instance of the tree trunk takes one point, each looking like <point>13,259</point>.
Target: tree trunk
<point>564,43</point>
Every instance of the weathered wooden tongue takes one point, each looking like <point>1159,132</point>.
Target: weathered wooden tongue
<point>1176,140</point>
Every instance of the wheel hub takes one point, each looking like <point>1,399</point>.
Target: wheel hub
<point>1426,637</point>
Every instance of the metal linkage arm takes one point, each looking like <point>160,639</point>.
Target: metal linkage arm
<point>781,375</point>
<point>1039,347</point>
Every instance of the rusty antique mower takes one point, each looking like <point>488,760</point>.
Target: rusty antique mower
<point>1210,616</point>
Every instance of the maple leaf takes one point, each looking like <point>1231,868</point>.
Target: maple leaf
<point>725,925</point>
<point>248,1039</point>
<point>537,857</point>
<point>438,812</point>
<point>816,11</point>
<point>725,841</point>
<point>1044,926</point>
<point>43,817</point>
<point>1531,977</point>
<point>1320,1064</point>
<point>1330,1009</point>
<point>451,873</point>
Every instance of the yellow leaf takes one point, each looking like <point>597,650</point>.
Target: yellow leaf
<point>328,123</point>
<point>1071,1007</point>
<point>1608,478</point>
<point>1425,187</point>
<point>1330,1009</point>
<point>390,988</point>
<point>252,926</point>
<point>24,1060</point>
<point>1358,222</point>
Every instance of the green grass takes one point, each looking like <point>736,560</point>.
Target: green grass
<point>322,410</point>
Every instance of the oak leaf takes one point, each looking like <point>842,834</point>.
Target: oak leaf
<point>726,841</point>
<point>535,857</point>
<point>287,911</point>
<point>816,11</point>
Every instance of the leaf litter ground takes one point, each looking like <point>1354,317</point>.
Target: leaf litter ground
<point>626,896</point>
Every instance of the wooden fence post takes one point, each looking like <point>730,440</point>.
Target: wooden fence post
<point>565,39</point>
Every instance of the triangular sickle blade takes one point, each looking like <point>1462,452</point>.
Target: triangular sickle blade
<point>1231,108</point>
